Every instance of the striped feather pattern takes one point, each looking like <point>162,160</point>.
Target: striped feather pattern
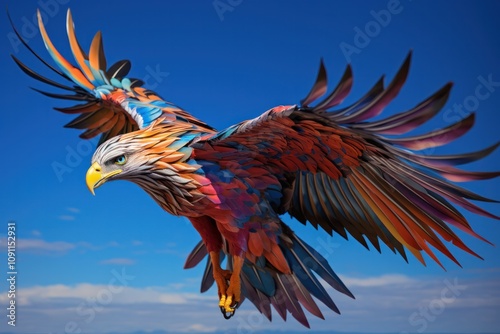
<point>340,172</point>
<point>293,293</point>
<point>110,102</point>
<point>369,184</point>
<point>331,168</point>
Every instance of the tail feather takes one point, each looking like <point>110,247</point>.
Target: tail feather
<point>261,279</point>
<point>321,266</point>
<point>291,293</point>
<point>197,254</point>
<point>304,296</point>
<point>261,302</point>
<point>306,276</point>
<point>287,295</point>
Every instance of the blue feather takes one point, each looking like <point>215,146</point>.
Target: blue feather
<point>260,278</point>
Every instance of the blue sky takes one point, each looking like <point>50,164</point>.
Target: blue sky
<point>224,67</point>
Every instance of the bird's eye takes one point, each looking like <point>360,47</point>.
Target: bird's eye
<point>120,160</point>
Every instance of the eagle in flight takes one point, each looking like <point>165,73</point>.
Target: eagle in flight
<point>325,165</point>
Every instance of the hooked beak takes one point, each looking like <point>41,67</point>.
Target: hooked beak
<point>95,178</point>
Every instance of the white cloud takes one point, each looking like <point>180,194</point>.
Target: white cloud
<point>67,217</point>
<point>88,245</point>
<point>200,328</point>
<point>41,245</point>
<point>36,233</point>
<point>172,249</point>
<point>118,261</point>
<point>377,281</point>
<point>387,303</point>
<point>113,292</point>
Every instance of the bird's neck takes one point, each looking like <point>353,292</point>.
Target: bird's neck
<point>174,192</point>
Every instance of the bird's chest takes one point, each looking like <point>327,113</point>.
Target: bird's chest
<point>178,194</point>
<point>217,188</point>
<point>235,191</point>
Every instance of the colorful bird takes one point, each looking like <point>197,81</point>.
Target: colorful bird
<point>330,167</point>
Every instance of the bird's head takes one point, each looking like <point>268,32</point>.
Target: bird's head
<point>117,158</point>
<point>142,156</point>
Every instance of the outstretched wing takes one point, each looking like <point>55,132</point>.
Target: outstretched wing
<point>343,173</point>
<point>110,102</point>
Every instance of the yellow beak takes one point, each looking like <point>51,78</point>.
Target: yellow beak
<point>95,178</point>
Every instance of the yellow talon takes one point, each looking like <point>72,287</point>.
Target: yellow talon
<point>222,301</point>
<point>229,293</point>
<point>227,305</point>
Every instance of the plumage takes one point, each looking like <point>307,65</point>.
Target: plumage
<point>331,168</point>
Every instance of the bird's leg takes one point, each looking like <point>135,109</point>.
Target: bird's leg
<point>221,276</point>
<point>230,300</point>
